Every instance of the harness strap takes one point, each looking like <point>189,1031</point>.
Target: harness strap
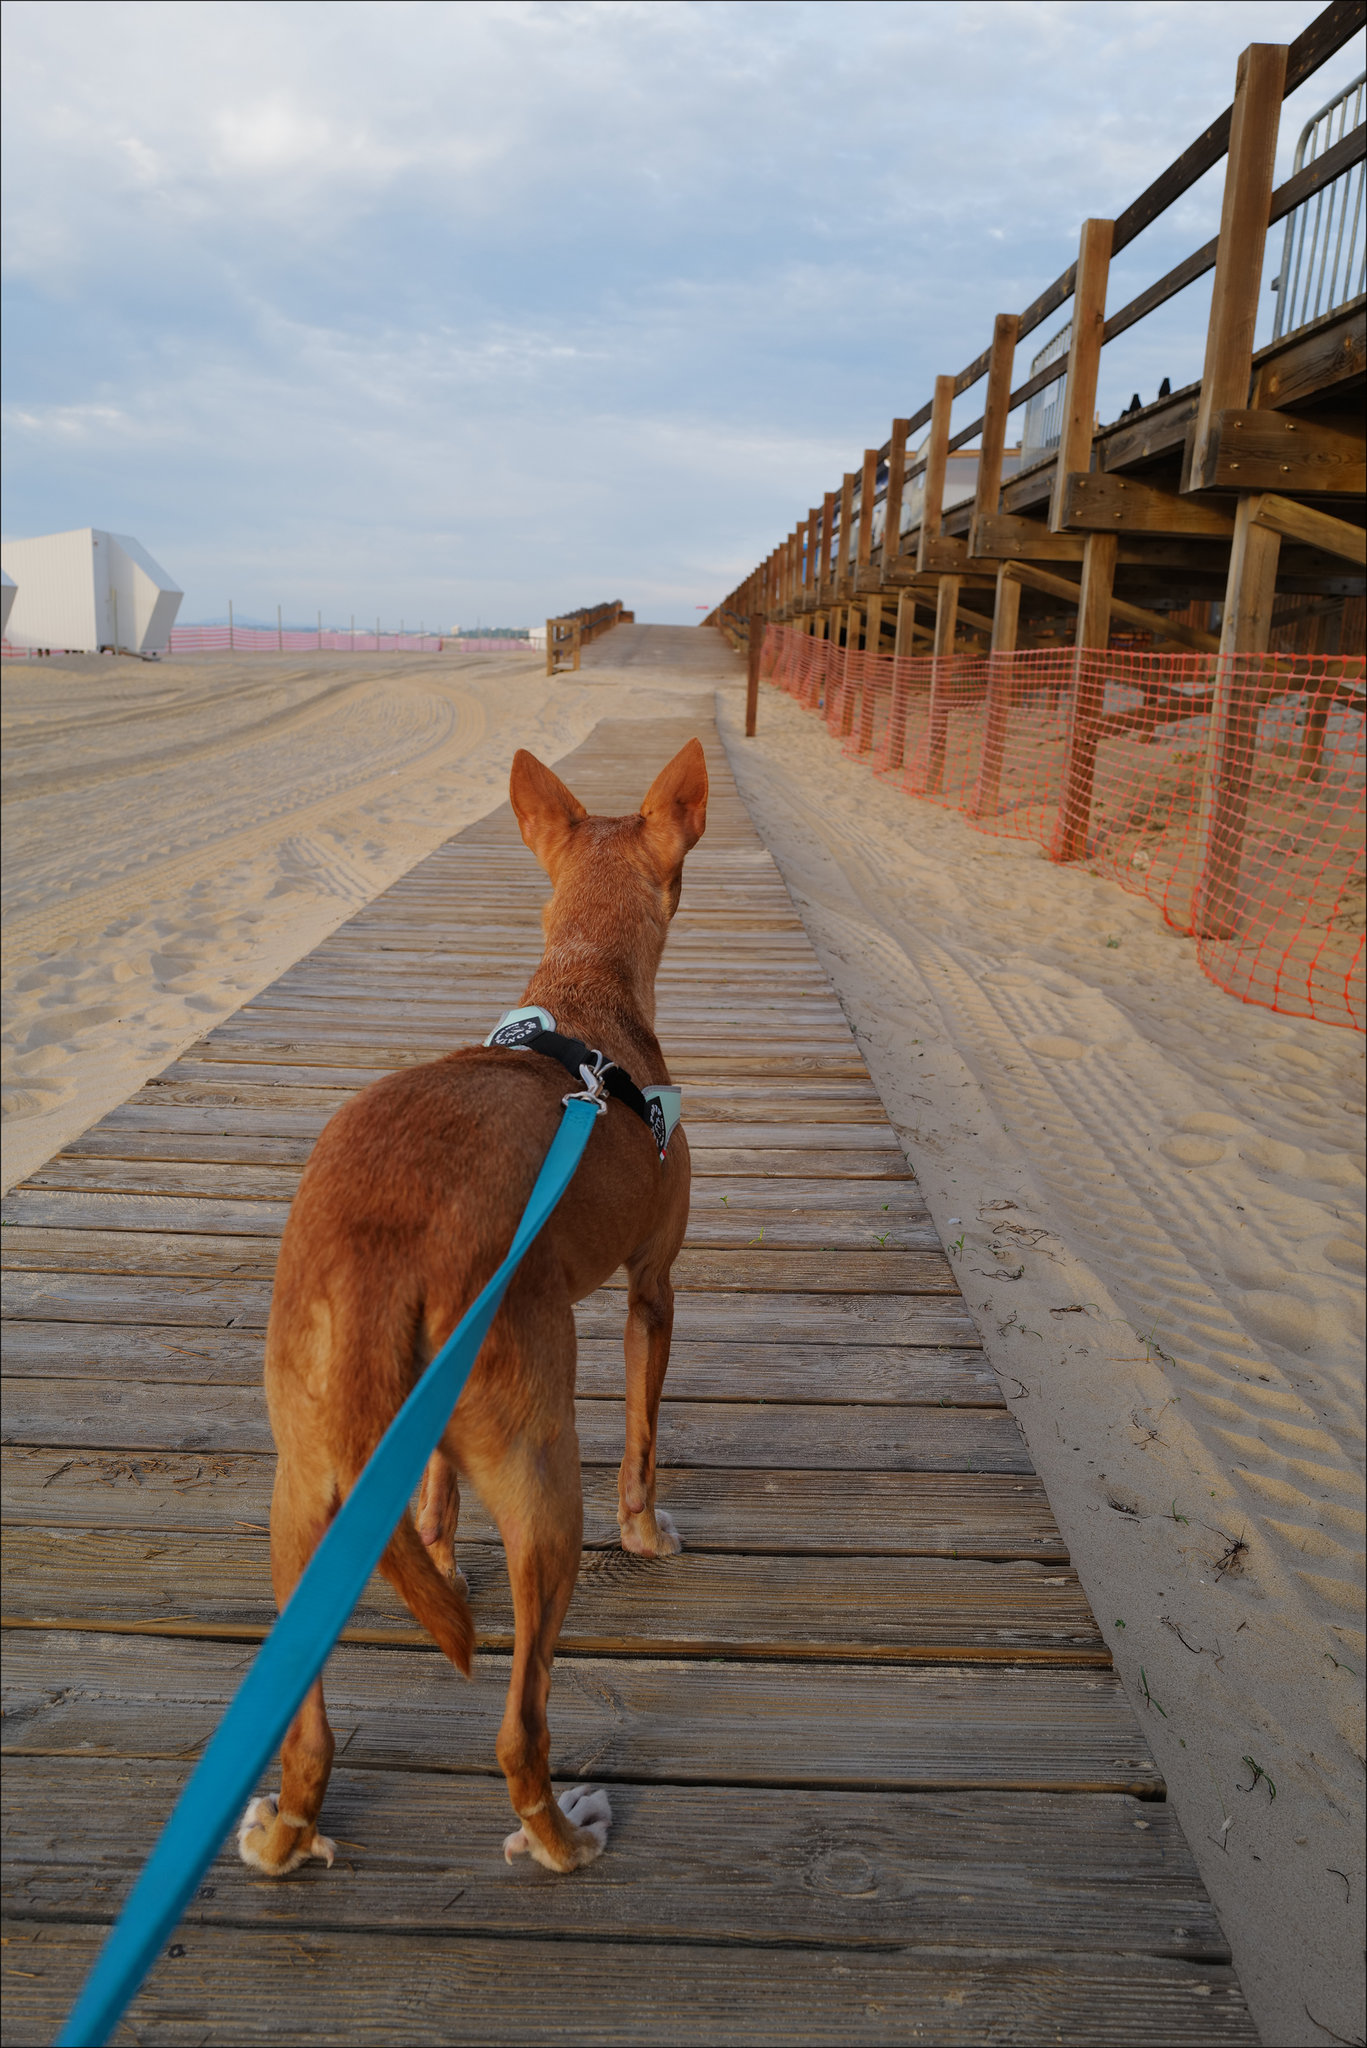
<point>532,1029</point>
<point>297,1647</point>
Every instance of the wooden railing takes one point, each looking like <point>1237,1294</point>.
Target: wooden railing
<point>566,636</point>
<point>1164,511</point>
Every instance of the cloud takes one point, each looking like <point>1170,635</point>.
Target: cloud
<point>421,304</point>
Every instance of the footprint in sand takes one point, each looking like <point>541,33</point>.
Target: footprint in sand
<point>1199,1138</point>
<point>1192,1151</point>
<point>1281,1319</point>
<point>1344,1252</point>
<point>1058,1048</point>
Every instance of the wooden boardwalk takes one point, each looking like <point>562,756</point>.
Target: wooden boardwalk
<point>873,1775</point>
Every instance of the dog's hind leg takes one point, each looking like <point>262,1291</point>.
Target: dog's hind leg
<point>530,1484</point>
<point>275,1837</point>
<point>646,1529</point>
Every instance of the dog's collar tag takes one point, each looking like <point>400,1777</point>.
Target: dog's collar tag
<point>515,1027</point>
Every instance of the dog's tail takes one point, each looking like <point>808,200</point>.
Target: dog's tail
<point>429,1598</point>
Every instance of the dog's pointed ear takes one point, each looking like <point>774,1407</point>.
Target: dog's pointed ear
<point>545,810</point>
<point>675,807</point>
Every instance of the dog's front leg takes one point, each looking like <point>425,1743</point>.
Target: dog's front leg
<point>646,1529</point>
<point>438,1514</point>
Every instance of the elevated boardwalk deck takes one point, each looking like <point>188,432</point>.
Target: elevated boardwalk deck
<point>873,1775</point>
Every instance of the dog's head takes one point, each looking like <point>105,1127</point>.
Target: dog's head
<point>653,841</point>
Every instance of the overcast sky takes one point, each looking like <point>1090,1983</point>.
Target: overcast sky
<point>488,310</point>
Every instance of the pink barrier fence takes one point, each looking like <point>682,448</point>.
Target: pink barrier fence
<point>1254,845</point>
<point>291,640</point>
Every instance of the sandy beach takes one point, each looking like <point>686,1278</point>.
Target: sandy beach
<point>1153,1194</point>
<point>176,833</point>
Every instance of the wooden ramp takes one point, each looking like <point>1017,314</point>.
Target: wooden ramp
<point>873,1775</point>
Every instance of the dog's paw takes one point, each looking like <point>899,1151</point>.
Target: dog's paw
<point>278,1858</point>
<point>589,1812</point>
<point>651,1534</point>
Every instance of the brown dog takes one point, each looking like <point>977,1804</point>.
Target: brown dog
<point>407,1205</point>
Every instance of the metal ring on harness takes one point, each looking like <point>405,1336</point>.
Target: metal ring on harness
<point>593,1090</point>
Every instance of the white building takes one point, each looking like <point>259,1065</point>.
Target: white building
<point>8,586</point>
<point>88,590</point>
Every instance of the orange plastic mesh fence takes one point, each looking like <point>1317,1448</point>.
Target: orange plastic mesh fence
<point>1244,825</point>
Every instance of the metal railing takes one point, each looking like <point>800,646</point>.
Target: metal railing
<point>1043,427</point>
<point>1324,251</point>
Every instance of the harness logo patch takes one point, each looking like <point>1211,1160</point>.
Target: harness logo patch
<point>518,1032</point>
<point>658,1124</point>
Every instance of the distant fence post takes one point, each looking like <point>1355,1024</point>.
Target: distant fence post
<point>1000,667</point>
<point>1089,693</point>
<point>754,653</point>
<point>550,647</point>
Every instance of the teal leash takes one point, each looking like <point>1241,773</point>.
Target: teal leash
<point>298,1646</point>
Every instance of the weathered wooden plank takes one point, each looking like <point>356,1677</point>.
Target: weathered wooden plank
<point>752,1268</point>
<point>713,1226</point>
<point>923,1609</point>
<point>960,1727</point>
<point>104,1141</point>
<point>699,1370</point>
<point>843,1103</point>
<point>245,1304</point>
<point>1019,1870</point>
<point>149,1112</point>
<point>227,1182</point>
<point>420,1988</point>
<point>892,1514</point>
<point>758,1435</point>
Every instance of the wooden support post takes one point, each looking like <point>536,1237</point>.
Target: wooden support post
<point>937,459</point>
<point>753,653</point>
<point>868,491</point>
<point>997,714</point>
<point>902,648</point>
<point>1089,692</point>
<point>1256,114</point>
<point>852,641</point>
<point>1247,628</point>
<point>996,411</point>
<point>873,634</point>
<point>827,529</point>
<point>892,502</point>
<point>843,551</point>
<point>942,678</point>
<point>809,570</point>
<point>550,645</point>
<point>576,646</point>
<point>1084,360</point>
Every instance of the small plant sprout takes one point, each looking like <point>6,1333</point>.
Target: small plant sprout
<point>882,1241</point>
<point>1149,1700</point>
<point>956,1250</point>
<point>1113,943</point>
<point>1180,1518</point>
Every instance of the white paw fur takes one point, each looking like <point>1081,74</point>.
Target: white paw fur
<point>670,1540</point>
<point>258,1817</point>
<point>587,1808</point>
